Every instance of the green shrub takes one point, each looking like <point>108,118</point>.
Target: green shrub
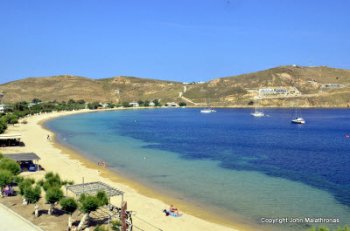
<point>6,178</point>
<point>89,204</point>
<point>32,194</point>
<point>116,225</point>
<point>102,198</point>
<point>68,204</point>
<point>10,165</point>
<point>53,195</point>
<point>28,182</point>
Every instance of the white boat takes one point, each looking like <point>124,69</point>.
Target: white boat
<point>258,114</point>
<point>207,110</point>
<point>298,120</point>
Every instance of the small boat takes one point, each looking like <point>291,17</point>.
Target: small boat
<point>207,110</point>
<point>298,120</point>
<point>258,114</point>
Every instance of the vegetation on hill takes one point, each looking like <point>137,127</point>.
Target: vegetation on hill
<point>318,87</point>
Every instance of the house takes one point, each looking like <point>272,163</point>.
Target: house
<point>171,104</point>
<point>332,86</point>
<point>151,104</point>
<point>134,104</point>
<point>2,108</point>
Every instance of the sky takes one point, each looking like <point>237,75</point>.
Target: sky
<point>181,40</point>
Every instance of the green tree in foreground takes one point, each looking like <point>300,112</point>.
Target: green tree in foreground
<point>6,178</point>
<point>52,196</point>
<point>69,205</point>
<point>102,198</point>
<point>88,204</point>
<point>10,165</point>
<point>32,196</point>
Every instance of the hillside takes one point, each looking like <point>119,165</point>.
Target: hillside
<point>281,86</point>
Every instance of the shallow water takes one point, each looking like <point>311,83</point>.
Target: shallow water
<point>227,161</point>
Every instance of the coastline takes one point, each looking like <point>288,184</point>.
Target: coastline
<point>146,202</point>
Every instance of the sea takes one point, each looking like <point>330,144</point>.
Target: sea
<point>265,171</point>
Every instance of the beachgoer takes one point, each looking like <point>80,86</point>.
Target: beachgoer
<point>166,212</point>
<point>48,137</point>
<point>172,208</point>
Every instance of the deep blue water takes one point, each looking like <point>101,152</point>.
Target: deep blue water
<point>316,154</point>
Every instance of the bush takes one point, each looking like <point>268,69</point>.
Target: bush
<point>51,180</point>
<point>32,194</point>
<point>6,178</point>
<point>53,195</point>
<point>68,204</point>
<point>10,165</point>
<point>94,105</point>
<point>28,182</point>
<point>102,198</point>
<point>89,204</point>
<point>101,228</point>
<point>116,225</point>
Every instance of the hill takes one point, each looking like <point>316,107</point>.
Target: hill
<point>280,87</point>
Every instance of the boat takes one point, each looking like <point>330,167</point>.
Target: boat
<point>207,110</point>
<point>298,120</point>
<point>258,114</point>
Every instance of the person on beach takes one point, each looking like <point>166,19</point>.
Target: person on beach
<point>48,137</point>
<point>173,209</point>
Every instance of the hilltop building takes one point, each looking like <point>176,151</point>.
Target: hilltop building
<point>278,91</point>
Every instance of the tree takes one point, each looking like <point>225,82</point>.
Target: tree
<point>6,178</point>
<point>146,104</point>
<point>157,103</point>
<point>25,183</point>
<point>102,198</point>
<point>125,104</point>
<point>141,103</point>
<point>88,205</point>
<point>32,196</point>
<point>69,205</point>
<point>52,180</point>
<point>21,106</point>
<point>10,165</point>
<point>36,100</point>
<point>94,105</point>
<point>53,195</point>
<point>182,104</point>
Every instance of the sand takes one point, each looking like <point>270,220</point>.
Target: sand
<point>72,166</point>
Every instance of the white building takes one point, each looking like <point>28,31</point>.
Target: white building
<point>134,104</point>
<point>151,104</point>
<point>2,108</point>
<point>171,104</point>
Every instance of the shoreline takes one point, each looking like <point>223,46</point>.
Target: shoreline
<point>140,198</point>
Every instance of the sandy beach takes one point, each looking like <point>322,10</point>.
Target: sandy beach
<point>72,166</point>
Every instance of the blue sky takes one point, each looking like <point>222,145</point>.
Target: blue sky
<point>183,40</point>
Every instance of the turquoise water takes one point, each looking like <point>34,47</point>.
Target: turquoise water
<point>242,167</point>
